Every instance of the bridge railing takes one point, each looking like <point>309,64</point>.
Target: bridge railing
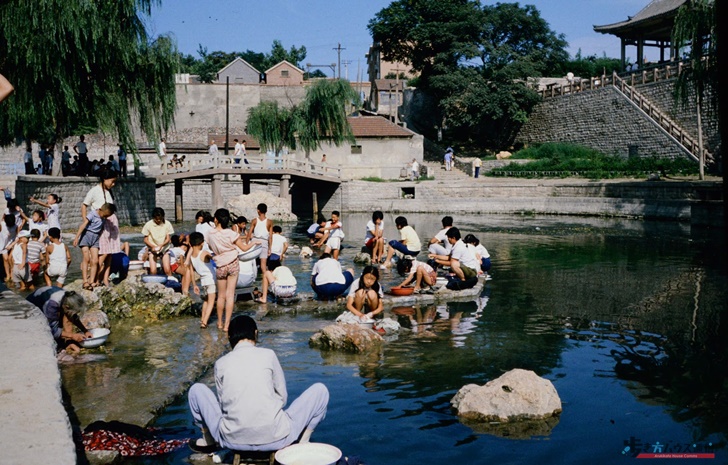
<point>203,161</point>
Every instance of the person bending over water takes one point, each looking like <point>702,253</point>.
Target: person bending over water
<point>365,294</point>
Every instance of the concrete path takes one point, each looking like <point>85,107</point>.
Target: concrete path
<point>35,426</point>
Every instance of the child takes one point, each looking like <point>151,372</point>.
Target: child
<point>19,261</point>
<point>365,294</point>
<point>374,239</point>
<point>334,235</point>
<point>201,262</point>
<point>260,232</point>
<point>37,221</point>
<point>7,237</point>
<point>240,225</point>
<point>278,247</point>
<point>59,259</point>
<point>16,213</point>
<point>177,259</point>
<point>409,243</point>
<point>204,222</point>
<point>416,271</point>
<point>52,209</point>
<point>158,239</point>
<point>481,253</point>
<point>316,231</point>
<point>87,237</point>
<point>35,255</point>
<point>279,281</point>
<point>226,244</point>
<point>439,244</point>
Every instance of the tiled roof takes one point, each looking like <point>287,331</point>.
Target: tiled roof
<point>376,126</point>
<point>389,84</point>
<point>652,17</point>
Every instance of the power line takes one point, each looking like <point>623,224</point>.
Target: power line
<point>338,50</point>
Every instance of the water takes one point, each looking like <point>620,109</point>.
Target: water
<point>624,317</point>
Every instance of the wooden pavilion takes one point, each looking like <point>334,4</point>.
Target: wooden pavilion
<point>650,27</point>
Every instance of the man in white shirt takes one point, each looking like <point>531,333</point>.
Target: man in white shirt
<point>238,152</point>
<point>415,167</point>
<point>462,260</point>
<point>247,413</point>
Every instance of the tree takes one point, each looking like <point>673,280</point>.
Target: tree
<point>695,27</point>
<point>91,66</point>
<point>278,53</point>
<point>321,117</point>
<point>474,61</point>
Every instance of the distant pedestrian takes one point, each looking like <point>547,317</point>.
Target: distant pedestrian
<point>28,160</point>
<point>244,153</point>
<point>213,150</point>
<point>121,155</point>
<point>82,151</point>
<point>66,161</point>
<point>477,163</point>
<point>238,151</point>
<point>414,170</point>
<point>448,159</point>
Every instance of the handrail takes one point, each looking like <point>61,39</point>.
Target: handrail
<point>662,119</point>
<point>642,76</point>
<point>203,161</point>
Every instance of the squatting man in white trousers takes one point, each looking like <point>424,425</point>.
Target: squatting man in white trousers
<point>247,413</point>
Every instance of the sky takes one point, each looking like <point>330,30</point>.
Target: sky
<point>325,25</point>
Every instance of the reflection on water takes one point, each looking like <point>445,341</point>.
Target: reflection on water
<point>626,318</point>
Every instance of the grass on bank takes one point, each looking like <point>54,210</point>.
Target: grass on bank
<point>566,160</point>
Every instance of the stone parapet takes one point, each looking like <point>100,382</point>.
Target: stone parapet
<point>35,428</point>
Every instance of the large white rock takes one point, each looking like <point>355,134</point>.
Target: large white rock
<point>516,395</point>
<point>247,205</point>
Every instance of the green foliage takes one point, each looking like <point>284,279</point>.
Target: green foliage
<point>588,67</point>
<point>84,64</point>
<point>321,117</point>
<point>564,160</point>
<point>474,60</point>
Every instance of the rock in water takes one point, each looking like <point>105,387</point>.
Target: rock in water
<point>363,259</point>
<point>247,205</point>
<point>346,337</point>
<point>515,396</point>
<point>93,319</point>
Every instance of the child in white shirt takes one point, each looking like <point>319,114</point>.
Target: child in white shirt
<point>278,246</point>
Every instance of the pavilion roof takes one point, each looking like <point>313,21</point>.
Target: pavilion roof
<point>655,21</point>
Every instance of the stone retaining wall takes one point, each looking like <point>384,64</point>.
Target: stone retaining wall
<point>35,427</point>
<point>605,120</point>
<point>663,200</point>
<point>134,197</point>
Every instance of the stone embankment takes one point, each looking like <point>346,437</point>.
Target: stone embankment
<point>35,428</point>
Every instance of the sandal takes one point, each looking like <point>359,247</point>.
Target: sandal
<point>203,325</point>
<point>88,287</point>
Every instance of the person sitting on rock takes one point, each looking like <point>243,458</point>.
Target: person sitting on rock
<point>365,294</point>
<point>374,238</point>
<point>439,244</point>
<point>248,411</point>
<point>62,309</point>
<point>409,244</point>
<point>462,260</point>
<point>279,281</point>
<point>327,279</point>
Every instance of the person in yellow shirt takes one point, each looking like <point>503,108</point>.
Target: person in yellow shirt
<point>409,244</point>
<point>158,239</point>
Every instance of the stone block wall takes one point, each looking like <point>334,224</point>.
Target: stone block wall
<point>134,198</point>
<point>605,120</point>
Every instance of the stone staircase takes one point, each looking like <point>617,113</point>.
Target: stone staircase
<point>441,175</point>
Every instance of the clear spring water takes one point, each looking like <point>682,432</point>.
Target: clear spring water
<point>626,318</point>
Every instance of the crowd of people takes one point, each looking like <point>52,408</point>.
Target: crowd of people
<point>73,164</point>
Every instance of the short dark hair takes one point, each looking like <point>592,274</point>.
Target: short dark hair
<point>400,221</point>
<point>404,266</point>
<point>241,219</point>
<point>263,208</point>
<point>196,238</point>
<point>55,233</point>
<point>242,327</point>
<point>277,229</point>
<point>470,239</point>
<point>158,212</point>
<point>35,233</point>
<point>175,240</point>
<point>222,215</point>
<point>321,219</point>
<point>336,212</point>
<point>447,221</point>
<point>453,232</point>
<point>377,215</point>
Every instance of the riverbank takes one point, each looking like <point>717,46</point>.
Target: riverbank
<point>35,428</point>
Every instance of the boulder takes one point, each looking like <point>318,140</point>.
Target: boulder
<point>247,205</point>
<point>503,154</point>
<point>346,337</point>
<point>517,395</point>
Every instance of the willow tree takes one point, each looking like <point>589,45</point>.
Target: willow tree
<point>84,66</point>
<point>320,118</point>
<point>695,29</point>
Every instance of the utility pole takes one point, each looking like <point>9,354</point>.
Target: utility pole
<point>227,112</point>
<point>338,51</point>
<point>346,67</point>
<point>396,86</point>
